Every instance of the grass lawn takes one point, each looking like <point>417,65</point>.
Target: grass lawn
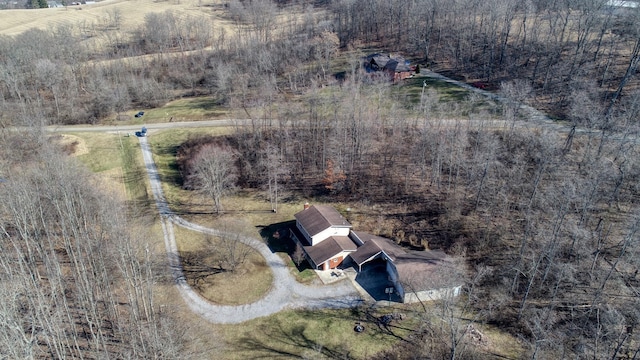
<point>165,146</point>
<point>446,91</point>
<point>319,334</point>
<point>329,334</point>
<point>103,151</point>
<point>451,99</point>
<point>185,109</point>
<point>197,108</point>
<point>118,159</point>
<point>248,283</point>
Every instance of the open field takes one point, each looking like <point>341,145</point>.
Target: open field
<point>17,21</point>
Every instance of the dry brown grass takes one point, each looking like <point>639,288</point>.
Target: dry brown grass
<point>248,283</point>
<point>17,21</point>
<point>75,145</point>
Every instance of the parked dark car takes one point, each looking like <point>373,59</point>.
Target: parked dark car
<point>139,114</point>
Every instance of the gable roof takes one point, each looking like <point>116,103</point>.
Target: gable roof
<point>329,248</point>
<point>378,62</point>
<point>317,218</point>
<point>397,65</point>
<point>374,245</point>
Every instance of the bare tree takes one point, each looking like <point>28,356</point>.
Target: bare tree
<point>60,292</point>
<point>298,255</point>
<point>214,172</point>
<point>230,251</point>
<point>275,169</point>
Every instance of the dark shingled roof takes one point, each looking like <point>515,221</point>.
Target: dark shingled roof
<point>317,218</point>
<point>378,62</point>
<point>372,246</point>
<point>329,248</point>
<point>397,65</point>
<point>421,270</point>
<point>424,270</point>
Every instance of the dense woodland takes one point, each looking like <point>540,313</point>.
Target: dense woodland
<point>547,221</point>
<point>77,278</point>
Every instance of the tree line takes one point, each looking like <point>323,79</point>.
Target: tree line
<point>77,280</point>
<point>547,221</point>
<point>569,53</point>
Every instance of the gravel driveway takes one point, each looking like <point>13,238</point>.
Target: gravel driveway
<point>286,292</point>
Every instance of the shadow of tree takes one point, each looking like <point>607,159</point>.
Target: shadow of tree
<point>374,279</point>
<point>195,268</point>
<point>291,341</point>
<point>371,316</point>
<point>277,237</point>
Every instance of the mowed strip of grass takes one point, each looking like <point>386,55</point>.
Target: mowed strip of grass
<point>118,158</point>
<point>196,108</point>
<point>250,281</point>
<point>451,98</point>
<point>185,109</point>
<point>135,175</point>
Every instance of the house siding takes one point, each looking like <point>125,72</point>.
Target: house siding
<point>431,295</point>
<point>303,232</point>
<point>332,231</point>
<point>334,262</point>
<point>393,276</point>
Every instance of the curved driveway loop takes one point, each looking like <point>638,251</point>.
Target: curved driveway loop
<point>286,292</point>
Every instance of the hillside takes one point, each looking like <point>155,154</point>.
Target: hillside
<point>546,221</point>
<point>131,13</point>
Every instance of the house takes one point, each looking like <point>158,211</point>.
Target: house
<point>397,68</point>
<point>323,234</point>
<point>328,241</point>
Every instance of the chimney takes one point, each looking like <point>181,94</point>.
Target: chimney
<point>306,206</point>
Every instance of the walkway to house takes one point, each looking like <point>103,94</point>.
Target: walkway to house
<point>286,292</point>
